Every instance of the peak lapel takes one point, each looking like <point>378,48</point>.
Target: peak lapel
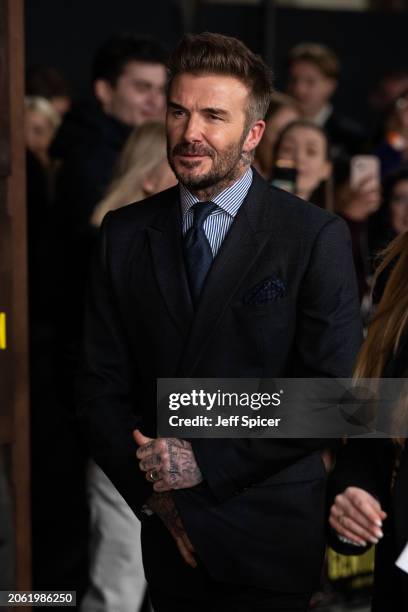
<point>237,254</point>
<point>165,238</point>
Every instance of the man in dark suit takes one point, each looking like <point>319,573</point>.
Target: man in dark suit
<point>220,276</point>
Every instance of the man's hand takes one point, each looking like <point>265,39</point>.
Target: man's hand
<point>163,505</point>
<point>168,462</point>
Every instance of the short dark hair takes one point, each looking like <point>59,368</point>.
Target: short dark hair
<point>319,55</point>
<point>46,82</point>
<point>308,124</point>
<point>113,56</point>
<point>217,54</point>
<point>278,102</point>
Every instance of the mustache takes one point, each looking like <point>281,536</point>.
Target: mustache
<point>186,148</point>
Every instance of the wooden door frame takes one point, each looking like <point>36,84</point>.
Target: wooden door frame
<point>15,429</point>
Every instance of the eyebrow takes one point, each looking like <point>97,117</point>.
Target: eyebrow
<point>209,109</point>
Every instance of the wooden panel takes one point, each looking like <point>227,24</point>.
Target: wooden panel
<point>17,327</point>
<point>4,97</point>
<point>6,386</point>
<point>6,429</point>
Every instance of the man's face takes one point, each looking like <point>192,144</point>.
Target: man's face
<point>207,137</point>
<point>138,96</point>
<point>310,87</point>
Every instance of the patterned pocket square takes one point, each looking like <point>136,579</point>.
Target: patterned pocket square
<point>268,290</point>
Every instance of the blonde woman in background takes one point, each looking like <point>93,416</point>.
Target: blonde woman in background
<point>116,570</point>
<point>142,171</point>
<point>41,124</point>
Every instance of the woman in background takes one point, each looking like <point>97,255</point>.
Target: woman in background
<point>393,150</point>
<point>370,480</point>
<point>142,170</point>
<point>116,574</point>
<point>305,145</point>
<point>41,124</point>
<point>391,220</point>
<point>282,111</point>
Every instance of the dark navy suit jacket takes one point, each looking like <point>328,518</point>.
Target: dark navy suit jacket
<point>258,516</point>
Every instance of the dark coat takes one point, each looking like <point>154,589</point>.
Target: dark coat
<point>369,464</point>
<point>346,137</point>
<point>258,516</point>
<point>88,143</point>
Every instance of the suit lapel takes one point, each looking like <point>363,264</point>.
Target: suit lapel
<point>240,249</point>
<point>165,238</point>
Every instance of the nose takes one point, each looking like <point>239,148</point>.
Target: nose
<point>299,90</point>
<point>193,132</point>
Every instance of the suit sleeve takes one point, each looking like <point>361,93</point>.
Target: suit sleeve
<point>105,387</point>
<point>328,336</point>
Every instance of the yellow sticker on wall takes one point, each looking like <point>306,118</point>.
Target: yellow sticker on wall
<point>3,340</point>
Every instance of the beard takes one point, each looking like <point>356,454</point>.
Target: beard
<point>226,165</point>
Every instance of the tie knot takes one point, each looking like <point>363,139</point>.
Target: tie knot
<point>201,210</point>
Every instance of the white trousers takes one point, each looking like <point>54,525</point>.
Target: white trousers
<point>117,582</point>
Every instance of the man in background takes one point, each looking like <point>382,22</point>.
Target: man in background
<point>313,75</point>
<point>128,79</point>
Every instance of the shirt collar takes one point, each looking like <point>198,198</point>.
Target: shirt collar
<point>229,199</point>
<point>323,115</point>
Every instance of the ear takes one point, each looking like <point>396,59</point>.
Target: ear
<point>148,186</point>
<point>327,171</point>
<point>254,136</point>
<point>103,92</point>
<point>331,86</point>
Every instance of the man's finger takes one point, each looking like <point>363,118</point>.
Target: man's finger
<point>140,439</point>
<point>151,462</point>
<point>157,476</point>
<point>146,445</point>
<point>185,553</point>
<point>188,543</point>
<point>161,485</point>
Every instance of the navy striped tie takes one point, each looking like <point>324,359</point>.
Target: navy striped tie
<point>197,250</point>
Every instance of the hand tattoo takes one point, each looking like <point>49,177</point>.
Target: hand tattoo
<point>163,505</point>
<point>174,462</point>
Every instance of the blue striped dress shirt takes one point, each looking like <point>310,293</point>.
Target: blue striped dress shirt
<point>218,223</point>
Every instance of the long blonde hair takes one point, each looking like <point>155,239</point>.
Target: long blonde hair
<point>144,151</point>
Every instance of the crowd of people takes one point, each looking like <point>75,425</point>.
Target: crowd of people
<point>88,158</point>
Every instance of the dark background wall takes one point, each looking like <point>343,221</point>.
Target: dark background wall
<point>65,33</point>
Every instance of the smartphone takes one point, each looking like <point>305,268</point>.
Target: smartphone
<point>363,167</point>
<point>284,175</point>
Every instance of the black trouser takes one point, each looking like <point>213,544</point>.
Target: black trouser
<point>229,598</point>
<point>174,585</point>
